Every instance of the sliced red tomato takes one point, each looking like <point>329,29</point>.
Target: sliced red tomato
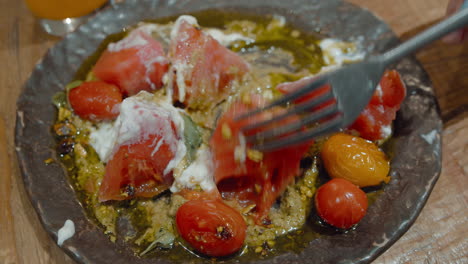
<point>136,170</point>
<point>375,120</point>
<point>135,63</point>
<point>340,203</point>
<point>203,67</point>
<point>250,176</point>
<point>211,227</point>
<point>95,101</point>
<point>148,137</point>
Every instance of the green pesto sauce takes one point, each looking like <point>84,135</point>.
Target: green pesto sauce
<point>307,56</point>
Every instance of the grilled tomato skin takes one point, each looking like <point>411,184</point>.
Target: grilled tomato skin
<point>356,160</point>
<point>341,203</point>
<point>95,100</point>
<point>211,227</point>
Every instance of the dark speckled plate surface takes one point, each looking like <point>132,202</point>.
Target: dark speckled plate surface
<point>415,167</point>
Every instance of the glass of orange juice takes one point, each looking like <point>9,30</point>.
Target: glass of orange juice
<point>58,17</point>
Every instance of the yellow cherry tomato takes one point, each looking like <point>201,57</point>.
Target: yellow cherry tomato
<point>356,160</point>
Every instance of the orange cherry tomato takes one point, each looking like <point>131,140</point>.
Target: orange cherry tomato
<point>211,227</point>
<point>356,160</point>
<point>340,203</point>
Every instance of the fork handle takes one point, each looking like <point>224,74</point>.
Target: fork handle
<point>441,29</point>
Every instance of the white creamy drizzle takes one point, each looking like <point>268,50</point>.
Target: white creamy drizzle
<point>103,139</point>
<point>140,117</point>
<point>65,232</point>
<point>136,39</point>
<point>175,29</point>
<point>149,61</point>
<point>334,53</point>
<point>385,131</point>
<point>379,91</point>
<point>430,136</point>
<point>226,39</point>
<point>177,66</point>
<point>133,40</point>
<point>199,172</point>
<point>181,68</point>
<point>150,29</point>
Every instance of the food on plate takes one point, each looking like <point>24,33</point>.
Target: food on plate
<point>340,203</point>
<point>355,159</point>
<point>211,227</point>
<point>202,69</point>
<point>150,137</point>
<point>374,123</point>
<point>135,63</point>
<point>95,100</point>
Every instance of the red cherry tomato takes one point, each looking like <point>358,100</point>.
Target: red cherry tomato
<point>95,101</point>
<point>211,227</point>
<point>340,203</point>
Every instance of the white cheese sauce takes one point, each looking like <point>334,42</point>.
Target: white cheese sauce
<point>179,67</point>
<point>66,232</point>
<point>335,52</point>
<point>226,39</point>
<point>199,173</point>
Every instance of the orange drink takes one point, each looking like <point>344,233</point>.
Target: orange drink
<point>61,9</point>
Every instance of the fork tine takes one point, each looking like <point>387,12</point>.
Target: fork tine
<point>315,84</point>
<point>278,131</point>
<point>322,129</point>
<point>297,109</point>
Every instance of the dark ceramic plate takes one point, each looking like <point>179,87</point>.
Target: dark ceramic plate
<point>415,166</point>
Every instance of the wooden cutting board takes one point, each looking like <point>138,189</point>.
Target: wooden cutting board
<point>440,234</point>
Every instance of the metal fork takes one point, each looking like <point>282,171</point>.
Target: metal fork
<point>352,87</point>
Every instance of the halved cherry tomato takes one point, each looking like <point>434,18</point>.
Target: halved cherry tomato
<point>355,159</point>
<point>211,227</point>
<point>135,63</point>
<point>375,121</point>
<point>340,203</point>
<point>136,170</point>
<point>95,100</point>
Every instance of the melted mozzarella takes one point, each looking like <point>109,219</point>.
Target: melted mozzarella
<point>140,117</point>
<point>66,232</point>
<point>199,172</point>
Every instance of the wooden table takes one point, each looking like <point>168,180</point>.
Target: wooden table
<point>440,234</point>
